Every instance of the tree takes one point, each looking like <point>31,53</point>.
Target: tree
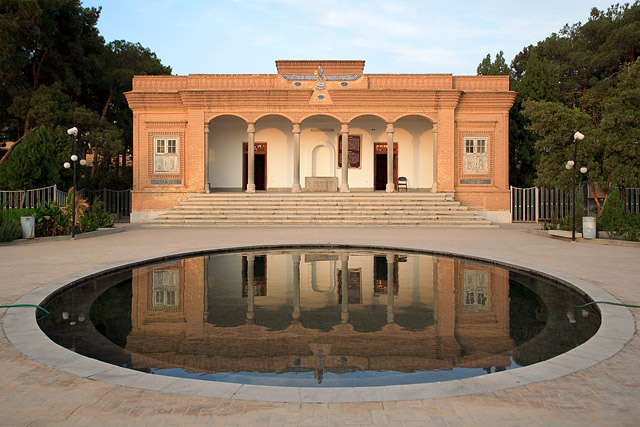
<point>619,131</point>
<point>554,124</point>
<point>585,77</point>
<point>44,42</point>
<point>498,67</point>
<point>55,70</point>
<point>37,161</point>
<point>540,81</point>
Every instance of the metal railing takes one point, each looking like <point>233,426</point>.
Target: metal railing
<point>632,200</point>
<point>115,202</point>
<point>524,204</point>
<point>30,198</point>
<point>541,204</point>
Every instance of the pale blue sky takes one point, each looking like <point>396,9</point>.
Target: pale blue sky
<point>392,36</point>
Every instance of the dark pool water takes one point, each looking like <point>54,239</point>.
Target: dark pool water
<point>319,317</point>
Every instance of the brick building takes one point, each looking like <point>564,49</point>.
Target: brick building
<point>285,132</point>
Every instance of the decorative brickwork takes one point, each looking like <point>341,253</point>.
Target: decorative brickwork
<point>431,114</point>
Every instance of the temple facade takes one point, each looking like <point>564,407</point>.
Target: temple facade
<point>286,132</point>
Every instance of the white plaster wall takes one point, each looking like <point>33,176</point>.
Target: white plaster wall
<point>415,151</point>
<point>318,150</point>
<point>372,129</point>
<point>226,135</point>
<point>277,133</point>
<point>318,138</point>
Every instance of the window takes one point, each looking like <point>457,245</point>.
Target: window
<point>354,151</point>
<point>165,288</point>
<point>475,159</point>
<point>166,155</point>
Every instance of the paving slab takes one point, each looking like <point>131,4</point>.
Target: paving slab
<point>595,384</point>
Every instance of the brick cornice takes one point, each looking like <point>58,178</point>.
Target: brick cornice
<point>487,100</point>
<point>447,98</point>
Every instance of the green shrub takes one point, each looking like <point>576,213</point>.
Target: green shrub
<point>9,229</point>
<point>616,222</point>
<point>51,221</point>
<point>612,219</point>
<point>15,214</point>
<point>95,218</point>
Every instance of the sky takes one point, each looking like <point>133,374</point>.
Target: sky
<point>391,36</point>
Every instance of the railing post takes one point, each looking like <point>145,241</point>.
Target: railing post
<point>511,201</point>
<point>118,204</point>
<point>537,202</point>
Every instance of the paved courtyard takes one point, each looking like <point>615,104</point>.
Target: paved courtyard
<point>606,393</point>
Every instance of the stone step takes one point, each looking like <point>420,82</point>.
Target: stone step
<point>293,220</point>
<point>340,209</point>
<point>236,224</point>
<point>316,202</point>
<point>335,208</point>
<point>355,194</point>
<point>310,217</point>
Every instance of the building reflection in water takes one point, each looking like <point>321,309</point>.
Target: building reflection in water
<point>322,311</point>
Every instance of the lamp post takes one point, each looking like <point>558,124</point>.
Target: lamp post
<point>570,165</point>
<point>74,158</point>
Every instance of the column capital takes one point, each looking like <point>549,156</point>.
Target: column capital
<point>390,128</point>
<point>206,128</point>
<point>435,128</point>
<point>251,127</point>
<point>296,128</point>
<point>344,128</point>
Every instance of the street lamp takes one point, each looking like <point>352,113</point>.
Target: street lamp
<point>74,158</point>
<point>570,165</point>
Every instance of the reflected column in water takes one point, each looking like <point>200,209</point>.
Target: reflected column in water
<point>250,289</point>
<point>296,288</point>
<point>390,287</point>
<point>344,310</point>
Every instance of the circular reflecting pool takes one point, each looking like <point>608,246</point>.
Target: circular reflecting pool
<point>319,317</point>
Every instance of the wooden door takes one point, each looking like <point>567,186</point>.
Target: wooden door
<point>380,166</point>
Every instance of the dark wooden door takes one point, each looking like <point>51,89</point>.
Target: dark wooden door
<point>260,166</point>
<point>380,166</point>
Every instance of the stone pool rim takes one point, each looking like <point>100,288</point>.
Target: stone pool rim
<point>616,329</point>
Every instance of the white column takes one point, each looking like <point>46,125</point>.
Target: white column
<point>206,158</point>
<point>250,291</point>
<point>251,183</point>
<point>296,159</point>
<point>344,183</point>
<point>344,276</point>
<point>390,288</point>
<point>434,186</point>
<point>391,187</point>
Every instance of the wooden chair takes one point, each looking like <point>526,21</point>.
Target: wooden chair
<point>402,182</point>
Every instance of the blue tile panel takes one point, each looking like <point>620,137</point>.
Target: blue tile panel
<point>475,181</point>
<point>166,181</point>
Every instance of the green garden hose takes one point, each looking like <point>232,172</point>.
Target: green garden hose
<point>28,305</point>
<point>607,302</point>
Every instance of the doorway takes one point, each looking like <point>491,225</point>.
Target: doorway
<point>260,165</point>
<point>380,166</point>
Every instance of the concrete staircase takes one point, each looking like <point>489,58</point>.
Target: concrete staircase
<point>320,209</point>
